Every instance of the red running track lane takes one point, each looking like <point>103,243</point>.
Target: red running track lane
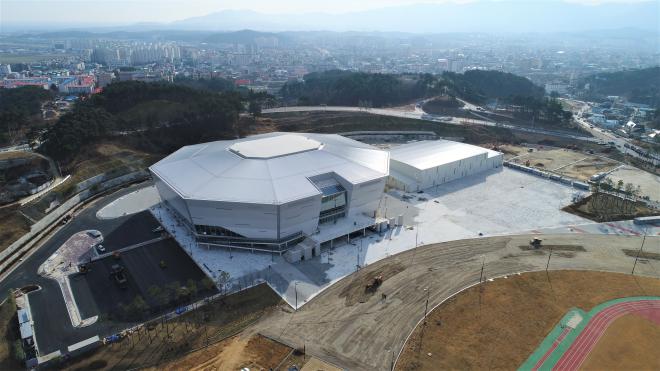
<point>552,348</point>
<point>587,339</point>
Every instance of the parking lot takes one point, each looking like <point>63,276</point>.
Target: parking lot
<point>97,293</point>
<point>129,230</point>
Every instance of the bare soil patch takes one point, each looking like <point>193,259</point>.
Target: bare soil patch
<point>553,248</point>
<point>630,343</point>
<point>236,353</point>
<point>358,292</point>
<point>588,167</point>
<point>497,325</point>
<point>642,255</point>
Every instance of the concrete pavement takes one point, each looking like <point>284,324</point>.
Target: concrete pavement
<point>369,335</point>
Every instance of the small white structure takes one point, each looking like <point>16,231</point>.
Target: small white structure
<point>420,165</point>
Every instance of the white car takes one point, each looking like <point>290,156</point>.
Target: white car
<point>100,249</point>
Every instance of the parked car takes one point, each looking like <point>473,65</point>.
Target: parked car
<point>158,229</point>
<point>100,248</point>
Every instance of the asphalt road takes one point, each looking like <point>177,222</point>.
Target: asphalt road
<point>421,115</point>
<point>53,327</point>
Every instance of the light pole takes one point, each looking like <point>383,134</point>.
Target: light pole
<point>483,262</point>
<point>549,256</point>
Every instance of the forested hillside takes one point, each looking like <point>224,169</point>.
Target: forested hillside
<point>341,88</point>
<point>639,86</point>
<point>157,117</point>
<point>478,86</point>
<point>345,88</point>
<point>19,106</point>
<point>378,90</point>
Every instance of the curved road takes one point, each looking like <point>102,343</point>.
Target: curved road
<point>369,335</point>
<point>421,115</point>
<point>47,305</point>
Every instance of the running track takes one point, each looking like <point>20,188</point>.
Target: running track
<point>575,355</point>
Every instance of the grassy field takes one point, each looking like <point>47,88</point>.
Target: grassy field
<point>30,58</point>
<point>633,336</point>
<point>160,345</point>
<point>497,325</point>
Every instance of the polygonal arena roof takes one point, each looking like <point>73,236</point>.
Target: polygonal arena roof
<point>269,168</point>
<point>270,147</point>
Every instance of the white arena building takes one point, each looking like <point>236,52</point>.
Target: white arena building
<point>421,165</point>
<point>274,191</point>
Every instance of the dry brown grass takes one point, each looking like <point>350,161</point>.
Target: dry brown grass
<point>8,326</point>
<point>12,226</point>
<point>17,154</point>
<point>499,324</point>
<point>153,348</point>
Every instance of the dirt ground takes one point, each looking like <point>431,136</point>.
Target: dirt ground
<point>468,331</point>
<point>161,343</point>
<point>567,162</point>
<point>649,183</point>
<point>630,343</point>
<point>510,150</point>
<point>357,292</point>
<point>584,169</point>
<point>238,352</point>
<point>251,351</point>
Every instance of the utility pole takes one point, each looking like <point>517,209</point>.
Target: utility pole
<point>483,262</point>
<point>549,256</point>
<point>426,308</point>
<point>639,252</point>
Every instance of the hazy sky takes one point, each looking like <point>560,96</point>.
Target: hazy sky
<point>101,12</point>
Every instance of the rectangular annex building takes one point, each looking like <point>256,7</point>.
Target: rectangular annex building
<point>420,165</point>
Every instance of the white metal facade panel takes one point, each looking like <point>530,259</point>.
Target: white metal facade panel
<point>257,198</point>
<point>172,198</point>
<point>250,220</point>
<point>453,160</point>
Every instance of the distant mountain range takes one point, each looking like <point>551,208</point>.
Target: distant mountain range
<point>479,16</point>
<point>489,16</point>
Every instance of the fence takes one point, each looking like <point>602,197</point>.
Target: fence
<point>544,174</point>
